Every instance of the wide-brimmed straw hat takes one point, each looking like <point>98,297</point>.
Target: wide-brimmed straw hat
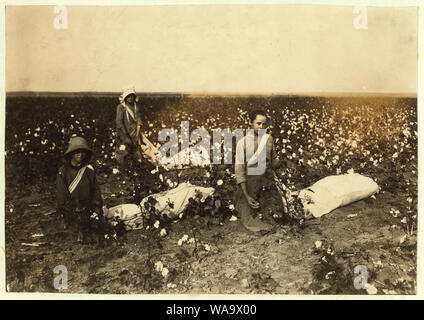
<point>78,143</point>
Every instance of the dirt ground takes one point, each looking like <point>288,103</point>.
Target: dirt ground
<point>235,261</point>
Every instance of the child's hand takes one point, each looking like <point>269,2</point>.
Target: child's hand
<point>253,203</point>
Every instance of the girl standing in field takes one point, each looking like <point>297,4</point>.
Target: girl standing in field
<point>78,194</point>
<point>127,121</point>
<point>131,142</point>
<point>257,196</point>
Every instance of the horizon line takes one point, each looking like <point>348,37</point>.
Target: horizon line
<point>204,94</point>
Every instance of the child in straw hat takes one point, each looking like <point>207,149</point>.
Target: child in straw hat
<point>78,195</point>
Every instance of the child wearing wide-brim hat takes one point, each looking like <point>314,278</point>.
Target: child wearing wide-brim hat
<point>78,194</point>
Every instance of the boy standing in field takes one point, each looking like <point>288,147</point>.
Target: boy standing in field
<point>78,194</point>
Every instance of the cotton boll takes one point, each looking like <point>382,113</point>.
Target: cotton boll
<point>318,244</point>
<point>371,289</point>
<point>159,266</point>
<point>165,272</point>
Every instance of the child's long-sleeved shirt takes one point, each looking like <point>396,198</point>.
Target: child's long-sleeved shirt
<point>240,168</point>
<point>124,120</point>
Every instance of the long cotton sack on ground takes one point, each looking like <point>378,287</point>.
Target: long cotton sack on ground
<point>173,202</point>
<point>150,152</point>
<point>333,192</point>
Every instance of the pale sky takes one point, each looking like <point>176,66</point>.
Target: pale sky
<point>212,49</point>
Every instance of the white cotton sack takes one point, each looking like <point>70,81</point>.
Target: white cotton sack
<point>333,192</point>
<point>179,197</point>
<point>130,214</point>
<point>123,211</point>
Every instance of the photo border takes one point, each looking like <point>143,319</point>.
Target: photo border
<point>180,297</point>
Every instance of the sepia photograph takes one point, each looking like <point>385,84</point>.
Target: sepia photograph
<point>211,149</point>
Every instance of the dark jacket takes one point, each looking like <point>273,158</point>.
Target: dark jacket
<point>86,195</point>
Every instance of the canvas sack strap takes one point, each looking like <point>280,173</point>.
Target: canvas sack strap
<point>77,179</point>
<point>262,145</point>
<point>129,111</point>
